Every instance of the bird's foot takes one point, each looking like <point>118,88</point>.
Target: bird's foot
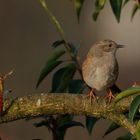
<point>92,96</point>
<point>110,96</point>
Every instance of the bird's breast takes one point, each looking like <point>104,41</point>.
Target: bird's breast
<point>102,73</point>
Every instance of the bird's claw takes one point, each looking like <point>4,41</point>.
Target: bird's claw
<point>110,96</point>
<point>92,96</point>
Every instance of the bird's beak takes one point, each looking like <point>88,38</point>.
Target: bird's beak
<point>120,46</point>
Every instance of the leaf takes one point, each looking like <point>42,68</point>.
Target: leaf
<point>76,86</point>
<point>78,6</point>
<point>90,122</point>
<point>50,65</point>
<point>58,43</point>
<point>111,128</point>
<point>134,107</point>
<point>116,7</point>
<point>126,93</point>
<point>62,78</point>
<point>62,119</point>
<point>70,124</point>
<point>135,9</point>
<point>73,49</point>
<point>99,5</point>
<point>125,2</point>
<point>41,123</point>
<point>56,54</point>
<point>128,136</point>
<point>46,70</point>
<point>62,129</point>
<point>138,131</point>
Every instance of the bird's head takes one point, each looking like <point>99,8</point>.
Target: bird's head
<point>105,47</point>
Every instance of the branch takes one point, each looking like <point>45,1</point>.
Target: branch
<point>62,103</point>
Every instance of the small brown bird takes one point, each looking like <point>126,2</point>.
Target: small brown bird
<point>100,68</point>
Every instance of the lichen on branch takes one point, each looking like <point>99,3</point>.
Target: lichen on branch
<point>53,103</point>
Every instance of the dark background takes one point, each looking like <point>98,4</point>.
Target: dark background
<point>26,35</point>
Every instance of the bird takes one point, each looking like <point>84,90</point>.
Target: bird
<point>100,68</point>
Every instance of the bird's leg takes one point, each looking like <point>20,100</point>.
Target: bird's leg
<point>109,95</point>
<point>92,95</point>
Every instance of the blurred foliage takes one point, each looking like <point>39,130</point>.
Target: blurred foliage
<point>133,110</point>
<point>138,131</point>
<point>116,8</point>
<point>113,126</point>
<point>116,5</point>
<point>64,79</point>
<point>135,9</point>
<point>78,6</point>
<point>51,64</point>
<point>127,136</point>
<point>99,5</point>
<point>126,93</point>
<point>90,122</point>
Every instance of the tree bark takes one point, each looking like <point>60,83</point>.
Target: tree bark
<point>61,103</point>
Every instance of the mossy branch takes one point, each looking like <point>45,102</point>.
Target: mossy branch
<point>51,103</point>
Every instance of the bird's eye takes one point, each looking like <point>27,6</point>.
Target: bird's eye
<point>110,45</point>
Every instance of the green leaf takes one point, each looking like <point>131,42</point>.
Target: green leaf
<point>50,65</point>
<point>99,5</point>
<point>62,119</point>
<point>76,86</point>
<point>56,54</point>
<point>128,136</point>
<point>62,77</point>
<point>78,6</point>
<point>138,131</point>
<point>125,2</point>
<point>116,7</point>
<point>135,9</point>
<point>70,124</point>
<point>61,130</point>
<point>41,123</point>
<point>90,122</point>
<point>58,43</point>
<point>111,128</point>
<point>134,108</point>
<point>46,70</point>
<point>72,48</point>
<point>126,93</point>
